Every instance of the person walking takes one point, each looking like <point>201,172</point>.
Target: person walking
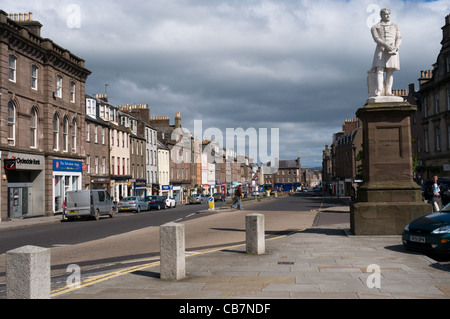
<point>237,200</point>
<point>437,199</point>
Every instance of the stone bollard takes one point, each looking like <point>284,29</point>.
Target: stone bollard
<point>28,273</point>
<point>255,234</point>
<point>172,243</point>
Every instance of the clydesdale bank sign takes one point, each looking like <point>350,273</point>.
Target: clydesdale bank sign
<point>24,162</point>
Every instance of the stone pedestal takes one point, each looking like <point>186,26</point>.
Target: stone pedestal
<point>172,242</point>
<point>28,273</point>
<point>389,198</point>
<point>255,234</point>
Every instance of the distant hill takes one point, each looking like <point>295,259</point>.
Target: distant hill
<point>314,168</point>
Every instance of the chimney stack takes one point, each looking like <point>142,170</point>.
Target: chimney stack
<point>26,20</point>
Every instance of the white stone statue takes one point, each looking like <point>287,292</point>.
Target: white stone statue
<point>386,60</point>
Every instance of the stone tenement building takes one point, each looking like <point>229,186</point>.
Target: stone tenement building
<point>42,99</point>
<point>433,145</point>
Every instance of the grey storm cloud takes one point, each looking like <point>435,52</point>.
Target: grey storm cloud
<point>296,65</point>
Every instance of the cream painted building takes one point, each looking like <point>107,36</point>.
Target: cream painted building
<point>164,170</point>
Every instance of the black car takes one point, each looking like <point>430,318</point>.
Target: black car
<point>427,190</point>
<point>430,233</point>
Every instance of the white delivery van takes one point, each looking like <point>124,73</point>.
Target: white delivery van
<point>88,203</point>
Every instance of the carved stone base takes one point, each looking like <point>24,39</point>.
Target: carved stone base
<point>389,198</point>
<point>385,99</point>
<point>384,218</point>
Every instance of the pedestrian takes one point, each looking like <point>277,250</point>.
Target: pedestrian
<point>237,199</point>
<point>437,199</point>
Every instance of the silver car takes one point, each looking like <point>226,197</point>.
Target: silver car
<point>198,199</point>
<point>132,203</point>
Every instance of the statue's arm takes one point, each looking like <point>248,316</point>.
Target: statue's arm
<point>379,40</point>
<point>399,39</point>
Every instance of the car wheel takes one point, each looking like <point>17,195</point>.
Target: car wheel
<point>158,207</point>
<point>138,210</point>
<point>165,206</point>
<point>111,213</point>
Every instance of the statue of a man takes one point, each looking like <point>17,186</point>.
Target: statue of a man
<point>386,60</point>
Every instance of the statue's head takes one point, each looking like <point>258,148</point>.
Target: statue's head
<point>385,14</point>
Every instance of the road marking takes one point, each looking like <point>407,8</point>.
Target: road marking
<point>100,278</point>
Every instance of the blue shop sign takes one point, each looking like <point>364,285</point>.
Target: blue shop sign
<point>167,187</point>
<point>67,166</point>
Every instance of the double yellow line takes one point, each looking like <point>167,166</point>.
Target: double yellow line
<point>98,279</point>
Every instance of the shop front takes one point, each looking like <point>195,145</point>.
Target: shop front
<point>67,176</point>
<point>140,187</point>
<point>166,190</point>
<point>121,187</point>
<point>25,174</point>
<point>100,183</point>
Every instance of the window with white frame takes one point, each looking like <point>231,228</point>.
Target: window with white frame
<point>74,136</point>
<point>102,111</point>
<point>11,124</point>
<point>91,105</point>
<point>33,128</point>
<point>34,77</point>
<point>65,135</point>
<point>103,165</point>
<point>55,132</point>
<point>12,68</point>
<point>72,92</point>
<point>59,86</point>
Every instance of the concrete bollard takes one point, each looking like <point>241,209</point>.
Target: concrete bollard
<point>28,273</point>
<point>255,234</point>
<point>172,243</point>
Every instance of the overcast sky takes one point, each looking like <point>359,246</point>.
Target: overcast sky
<point>299,66</point>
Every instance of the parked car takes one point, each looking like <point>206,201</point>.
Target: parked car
<point>133,203</point>
<point>88,203</point>
<point>427,190</point>
<point>219,196</point>
<point>317,191</point>
<point>198,198</point>
<point>170,201</point>
<point>156,202</point>
<point>430,233</point>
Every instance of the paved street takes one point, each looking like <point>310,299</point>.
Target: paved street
<point>319,262</point>
<point>309,254</point>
